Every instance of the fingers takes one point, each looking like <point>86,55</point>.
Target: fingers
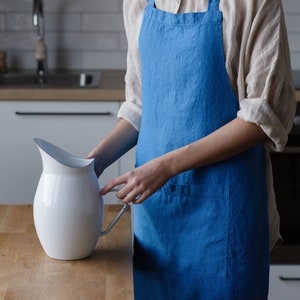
<point>134,197</point>
<point>113,185</point>
<point>129,192</point>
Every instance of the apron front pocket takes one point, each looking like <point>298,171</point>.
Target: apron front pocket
<point>198,226</point>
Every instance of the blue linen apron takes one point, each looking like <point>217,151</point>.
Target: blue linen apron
<point>204,235</point>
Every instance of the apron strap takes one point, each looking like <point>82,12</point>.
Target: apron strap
<point>213,5</point>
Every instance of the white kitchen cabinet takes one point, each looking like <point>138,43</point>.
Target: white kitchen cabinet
<point>57,122</point>
<point>284,282</point>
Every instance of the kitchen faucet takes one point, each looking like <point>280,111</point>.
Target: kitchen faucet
<point>40,55</point>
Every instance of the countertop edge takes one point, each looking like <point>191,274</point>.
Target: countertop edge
<point>298,95</point>
<point>62,95</point>
<point>112,88</point>
<point>285,255</point>
<point>23,94</point>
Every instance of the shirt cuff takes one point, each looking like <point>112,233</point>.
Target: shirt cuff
<point>259,112</point>
<point>131,113</point>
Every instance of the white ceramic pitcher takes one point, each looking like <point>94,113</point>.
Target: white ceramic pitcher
<point>68,209</point>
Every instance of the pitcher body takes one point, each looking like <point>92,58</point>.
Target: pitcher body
<point>68,210</point>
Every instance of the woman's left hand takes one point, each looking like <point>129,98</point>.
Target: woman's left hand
<point>139,183</point>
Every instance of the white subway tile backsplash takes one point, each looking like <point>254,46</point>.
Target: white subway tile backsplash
<point>83,6</point>
<point>295,58</point>
<point>82,41</point>
<point>62,6</point>
<point>52,21</point>
<point>2,21</point>
<point>17,40</point>
<point>88,34</point>
<point>102,22</point>
<point>62,22</point>
<point>104,60</point>
<point>19,22</point>
<point>293,23</point>
<point>123,41</point>
<point>64,60</point>
<point>294,42</point>
<point>291,6</point>
<point>22,59</point>
<point>292,17</point>
<point>73,29</point>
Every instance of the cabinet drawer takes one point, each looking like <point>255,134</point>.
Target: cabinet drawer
<point>76,127</point>
<point>284,282</point>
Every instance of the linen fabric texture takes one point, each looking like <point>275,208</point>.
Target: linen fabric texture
<point>257,62</point>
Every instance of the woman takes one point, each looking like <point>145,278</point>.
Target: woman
<point>208,92</point>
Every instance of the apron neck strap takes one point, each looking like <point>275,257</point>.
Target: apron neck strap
<point>213,5</point>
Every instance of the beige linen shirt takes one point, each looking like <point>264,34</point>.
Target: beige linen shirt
<point>257,61</point>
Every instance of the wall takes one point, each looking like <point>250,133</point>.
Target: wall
<point>292,15</point>
<point>88,33</point>
<point>79,34</point>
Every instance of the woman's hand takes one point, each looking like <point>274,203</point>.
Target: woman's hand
<point>227,141</point>
<point>140,183</point>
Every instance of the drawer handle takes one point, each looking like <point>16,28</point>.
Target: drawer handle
<point>285,278</point>
<point>31,113</point>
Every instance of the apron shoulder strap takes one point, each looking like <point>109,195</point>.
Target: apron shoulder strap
<point>213,5</point>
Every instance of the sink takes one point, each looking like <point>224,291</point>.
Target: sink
<point>74,79</point>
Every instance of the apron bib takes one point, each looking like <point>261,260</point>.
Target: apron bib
<point>204,235</point>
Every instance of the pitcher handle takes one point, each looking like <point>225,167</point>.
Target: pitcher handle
<point>115,220</point>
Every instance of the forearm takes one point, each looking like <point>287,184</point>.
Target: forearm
<point>121,139</point>
<point>224,143</point>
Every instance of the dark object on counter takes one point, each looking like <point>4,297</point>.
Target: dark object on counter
<point>296,78</point>
<point>3,65</point>
<point>72,79</point>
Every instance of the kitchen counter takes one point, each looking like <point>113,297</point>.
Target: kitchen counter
<point>111,88</point>
<point>298,95</point>
<point>27,273</point>
<point>286,255</point>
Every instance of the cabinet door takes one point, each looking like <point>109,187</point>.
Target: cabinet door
<point>284,282</point>
<point>74,126</point>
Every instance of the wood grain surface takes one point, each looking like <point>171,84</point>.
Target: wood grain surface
<point>27,273</point>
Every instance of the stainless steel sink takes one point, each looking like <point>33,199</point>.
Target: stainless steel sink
<point>53,80</point>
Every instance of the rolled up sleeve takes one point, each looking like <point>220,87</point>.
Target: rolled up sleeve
<point>270,95</point>
<point>131,109</point>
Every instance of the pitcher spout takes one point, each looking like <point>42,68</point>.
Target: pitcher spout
<point>53,156</point>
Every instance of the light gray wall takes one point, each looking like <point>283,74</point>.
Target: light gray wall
<point>78,33</point>
<point>292,16</point>
<point>88,34</point>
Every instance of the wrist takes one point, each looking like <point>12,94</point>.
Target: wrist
<point>170,164</point>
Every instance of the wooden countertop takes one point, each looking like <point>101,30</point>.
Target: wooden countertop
<point>27,273</point>
<point>298,95</point>
<point>112,88</point>
<point>286,255</point>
